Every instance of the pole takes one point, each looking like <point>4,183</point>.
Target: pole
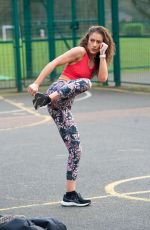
<point>101,12</point>
<point>51,33</point>
<point>115,30</point>
<point>27,31</point>
<point>74,24</point>
<point>17,45</point>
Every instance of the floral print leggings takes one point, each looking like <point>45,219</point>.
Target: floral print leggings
<point>60,111</point>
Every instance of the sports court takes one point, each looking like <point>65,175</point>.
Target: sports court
<point>114,170</point>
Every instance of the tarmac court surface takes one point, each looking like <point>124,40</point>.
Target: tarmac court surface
<point>114,169</point>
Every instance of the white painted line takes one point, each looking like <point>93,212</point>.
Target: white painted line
<point>88,94</point>
<point>11,111</point>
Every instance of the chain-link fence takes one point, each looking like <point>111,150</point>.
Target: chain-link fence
<point>7,63</point>
<point>33,32</point>
<point>134,21</point>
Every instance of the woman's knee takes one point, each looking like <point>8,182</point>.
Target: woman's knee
<point>88,83</point>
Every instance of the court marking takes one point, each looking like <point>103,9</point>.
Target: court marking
<point>21,107</point>
<point>108,188</point>
<point>11,111</point>
<point>88,94</point>
<point>45,204</point>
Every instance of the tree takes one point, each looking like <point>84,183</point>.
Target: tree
<point>143,6</point>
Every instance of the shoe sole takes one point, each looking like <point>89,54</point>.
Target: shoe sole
<point>69,204</point>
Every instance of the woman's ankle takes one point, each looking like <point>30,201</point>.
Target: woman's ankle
<point>71,185</point>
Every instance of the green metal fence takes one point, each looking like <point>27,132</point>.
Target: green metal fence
<point>134,41</point>
<point>36,31</point>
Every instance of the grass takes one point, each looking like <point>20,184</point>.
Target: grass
<point>134,54</point>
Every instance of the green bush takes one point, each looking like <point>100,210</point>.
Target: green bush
<point>133,29</point>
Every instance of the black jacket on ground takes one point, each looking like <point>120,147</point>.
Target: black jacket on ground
<point>9,222</point>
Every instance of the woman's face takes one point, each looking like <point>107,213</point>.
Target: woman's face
<point>94,43</point>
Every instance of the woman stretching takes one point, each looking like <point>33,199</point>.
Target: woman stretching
<point>91,57</point>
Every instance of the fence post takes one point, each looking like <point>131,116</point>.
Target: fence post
<point>51,33</point>
<point>17,44</point>
<point>27,35</point>
<point>101,19</point>
<point>101,12</point>
<point>115,31</point>
<point>74,24</point>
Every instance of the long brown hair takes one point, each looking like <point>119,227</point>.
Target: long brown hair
<point>107,38</point>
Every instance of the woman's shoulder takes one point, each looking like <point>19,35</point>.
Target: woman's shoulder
<point>80,50</point>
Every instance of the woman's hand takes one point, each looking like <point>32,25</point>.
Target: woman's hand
<point>103,48</point>
<point>33,88</point>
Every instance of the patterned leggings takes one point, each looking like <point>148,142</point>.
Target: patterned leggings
<point>60,111</point>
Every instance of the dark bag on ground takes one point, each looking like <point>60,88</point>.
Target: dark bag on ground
<point>18,222</point>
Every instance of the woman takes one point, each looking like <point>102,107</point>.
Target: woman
<point>92,56</point>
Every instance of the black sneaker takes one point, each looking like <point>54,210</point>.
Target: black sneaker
<point>40,100</point>
<point>75,199</point>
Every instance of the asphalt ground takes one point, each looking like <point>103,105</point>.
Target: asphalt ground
<point>114,169</point>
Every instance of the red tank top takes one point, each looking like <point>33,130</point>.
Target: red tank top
<point>78,70</point>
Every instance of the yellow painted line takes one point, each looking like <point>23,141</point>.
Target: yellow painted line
<point>99,197</point>
<point>22,107</point>
<point>123,195</point>
<point>110,189</point>
<point>47,203</point>
<point>139,192</point>
<point>30,206</point>
<point>28,125</point>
